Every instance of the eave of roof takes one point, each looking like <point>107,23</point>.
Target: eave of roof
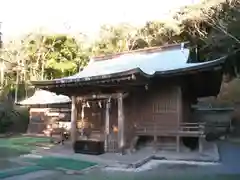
<point>131,75</point>
<point>104,79</point>
<point>42,97</point>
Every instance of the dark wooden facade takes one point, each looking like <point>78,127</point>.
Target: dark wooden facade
<point>44,115</point>
<point>160,111</point>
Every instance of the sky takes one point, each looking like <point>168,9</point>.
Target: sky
<point>71,16</point>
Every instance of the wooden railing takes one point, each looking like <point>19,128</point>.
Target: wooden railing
<point>184,129</point>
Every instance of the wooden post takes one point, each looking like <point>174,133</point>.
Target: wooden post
<point>107,124</point>
<point>82,119</point>
<point>178,143</point>
<point>179,111</point>
<point>73,120</point>
<point>155,141</point>
<point>121,125</point>
<point>200,144</point>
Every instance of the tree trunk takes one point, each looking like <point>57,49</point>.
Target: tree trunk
<point>16,87</point>
<point>42,71</point>
<point>2,74</point>
<point>2,77</point>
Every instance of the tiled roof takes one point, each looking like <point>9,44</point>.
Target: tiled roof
<point>171,59</point>
<point>149,63</point>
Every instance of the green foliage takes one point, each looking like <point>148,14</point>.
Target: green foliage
<point>20,123</point>
<point>7,114</point>
<point>112,39</point>
<point>211,25</point>
<point>54,55</point>
<point>13,119</point>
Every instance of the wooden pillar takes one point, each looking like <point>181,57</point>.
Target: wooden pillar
<point>82,119</point>
<point>121,124</point>
<point>179,111</point>
<point>155,141</point>
<point>107,125</point>
<point>178,143</point>
<point>200,144</point>
<point>73,120</point>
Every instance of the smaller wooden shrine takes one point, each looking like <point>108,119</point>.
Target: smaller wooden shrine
<point>47,109</point>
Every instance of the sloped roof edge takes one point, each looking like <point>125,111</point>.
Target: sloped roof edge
<point>43,97</point>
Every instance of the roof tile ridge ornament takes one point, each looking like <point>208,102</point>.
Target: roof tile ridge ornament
<point>182,49</point>
<point>91,61</point>
<point>182,46</point>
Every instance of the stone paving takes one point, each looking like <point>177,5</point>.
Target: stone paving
<point>210,153</point>
<point>227,169</point>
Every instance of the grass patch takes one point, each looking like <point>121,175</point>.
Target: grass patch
<point>64,163</point>
<point>28,140</point>
<point>8,152</point>
<point>23,144</point>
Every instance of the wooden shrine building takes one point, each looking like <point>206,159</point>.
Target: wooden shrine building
<point>143,93</point>
<point>47,108</point>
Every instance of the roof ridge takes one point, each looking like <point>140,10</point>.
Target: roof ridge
<point>143,50</point>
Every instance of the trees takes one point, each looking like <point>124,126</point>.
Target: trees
<point>54,56</point>
<point>114,39</point>
<point>211,25</point>
<point>41,56</point>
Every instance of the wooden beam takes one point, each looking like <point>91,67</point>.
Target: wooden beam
<point>73,120</point>
<point>121,124</point>
<point>107,131</point>
<point>103,96</point>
